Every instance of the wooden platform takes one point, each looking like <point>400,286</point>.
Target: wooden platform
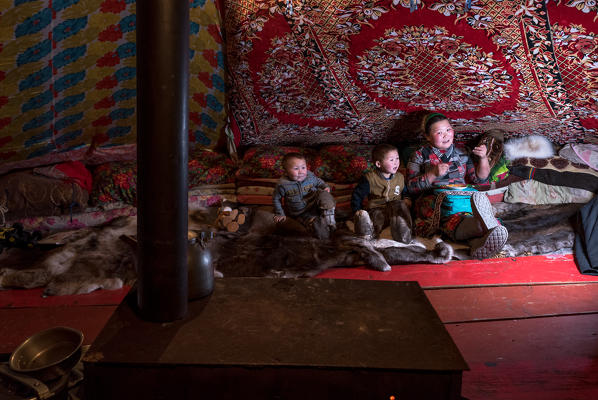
<point>263,338</point>
<point>526,326</point>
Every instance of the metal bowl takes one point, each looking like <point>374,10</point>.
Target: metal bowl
<point>48,354</point>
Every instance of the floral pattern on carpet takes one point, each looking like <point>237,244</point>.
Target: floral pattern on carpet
<point>330,71</point>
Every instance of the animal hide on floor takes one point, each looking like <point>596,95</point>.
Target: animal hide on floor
<point>91,258</point>
<point>96,257</point>
<point>537,229</point>
<point>282,256</point>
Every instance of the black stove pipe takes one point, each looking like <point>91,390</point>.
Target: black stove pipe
<point>162,154</point>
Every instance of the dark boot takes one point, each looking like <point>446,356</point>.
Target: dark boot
<point>401,224</point>
<point>319,228</point>
<point>379,218</point>
<point>400,230</point>
<point>328,216</point>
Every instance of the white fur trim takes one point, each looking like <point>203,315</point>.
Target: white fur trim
<point>534,146</point>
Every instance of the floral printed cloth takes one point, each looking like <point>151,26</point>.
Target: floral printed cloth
<point>117,182</point>
<point>266,161</point>
<point>342,163</point>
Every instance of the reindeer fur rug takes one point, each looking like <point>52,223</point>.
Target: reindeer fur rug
<point>267,251</point>
<point>91,258</point>
<point>97,258</point>
<point>537,229</point>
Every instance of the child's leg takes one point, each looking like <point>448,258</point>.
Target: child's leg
<point>379,217</point>
<point>424,224</point>
<point>491,236</point>
<point>400,221</point>
<point>469,227</point>
<point>315,224</point>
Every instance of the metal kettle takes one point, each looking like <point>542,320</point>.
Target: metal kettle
<point>200,268</point>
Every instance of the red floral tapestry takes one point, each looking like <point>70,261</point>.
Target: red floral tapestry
<point>325,71</point>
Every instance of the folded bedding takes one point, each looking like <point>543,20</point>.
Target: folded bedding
<point>27,194</point>
<point>557,171</point>
<point>530,191</point>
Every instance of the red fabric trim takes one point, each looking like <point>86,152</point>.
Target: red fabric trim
<point>76,172</point>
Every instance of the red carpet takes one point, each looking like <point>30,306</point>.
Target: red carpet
<point>499,271</point>
<point>34,298</point>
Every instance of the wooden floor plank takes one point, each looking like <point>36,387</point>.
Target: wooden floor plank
<point>499,271</point>
<point>20,323</point>
<point>553,358</point>
<point>513,302</point>
<point>495,310</point>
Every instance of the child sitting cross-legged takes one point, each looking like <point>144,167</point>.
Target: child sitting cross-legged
<point>438,173</point>
<point>384,188</point>
<point>306,198</point>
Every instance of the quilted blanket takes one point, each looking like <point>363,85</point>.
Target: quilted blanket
<point>68,86</point>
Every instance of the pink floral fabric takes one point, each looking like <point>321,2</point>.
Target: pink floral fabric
<point>114,182</point>
<point>117,182</point>
<point>75,221</point>
<point>207,167</point>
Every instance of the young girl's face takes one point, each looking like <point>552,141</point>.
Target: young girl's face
<point>296,169</point>
<point>389,164</point>
<point>441,134</point>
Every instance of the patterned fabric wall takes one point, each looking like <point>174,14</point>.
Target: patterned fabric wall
<point>317,71</point>
<point>67,78</point>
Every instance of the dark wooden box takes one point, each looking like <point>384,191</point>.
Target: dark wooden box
<point>261,338</point>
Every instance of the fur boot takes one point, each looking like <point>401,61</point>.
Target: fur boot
<point>364,227</point>
<point>495,235</point>
<point>401,224</point>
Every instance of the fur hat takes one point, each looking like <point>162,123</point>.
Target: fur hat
<point>534,146</point>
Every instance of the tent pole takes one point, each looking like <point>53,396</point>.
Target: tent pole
<point>162,155</point>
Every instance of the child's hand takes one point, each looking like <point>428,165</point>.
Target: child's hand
<point>327,189</point>
<point>438,170</point>
<point>480,151</point>
<point>279,218</point>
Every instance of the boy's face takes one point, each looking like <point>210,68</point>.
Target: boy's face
<point>390,163</point>
<point>441,134</point>
<point>296,169</point>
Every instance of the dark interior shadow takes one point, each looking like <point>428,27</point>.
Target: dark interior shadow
<point>408,128</point>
